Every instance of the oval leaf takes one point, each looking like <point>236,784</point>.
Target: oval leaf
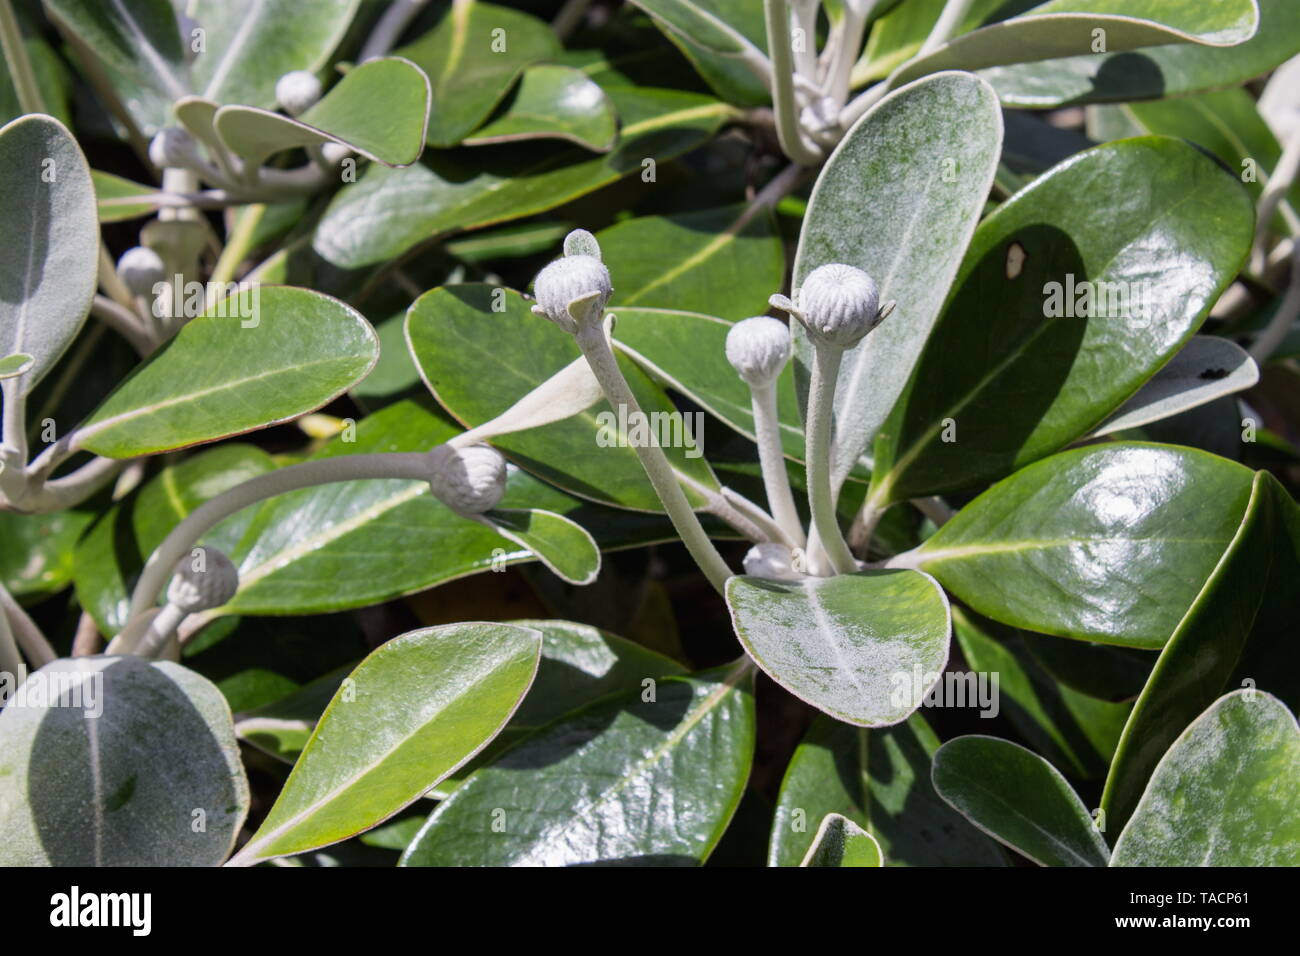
<point>562,545</point>
<point>864,648</point>
<point>554,102</point>
<point>841,842</point>
<point>411,713</point>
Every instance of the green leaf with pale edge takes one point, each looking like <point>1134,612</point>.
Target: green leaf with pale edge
<point>252,43</point>
<point>411,713</point>
<point>1075,732</point>
<point>1107,543</point>
<point>316,549</point>
<point>264,355</point>
<point>460,342</point>
<point>712,34</point>
<point>1238,629</point>
<point>110,556</point>
<point>11,366</point>
<point>120,199</point>
<point>879,779</point>
<point>388,211</point>
<point>1019,799</point>
<point>473,56</point>
<point>115,773</point>
<point>554,102</point>
<point>562,545</point>
<point>393,135</point>
<point>138,46</point>
<point>864,648</point>
<point>723,262</point>
<point>49,262</point>
<point>623,781</point>
<point>709,24</point>
<point>1225,794</point>
<point>1062,28</point>
<point>1134,270</point>
<point>1154,72</point>
<point>841,842</point>
<point>906,223</point>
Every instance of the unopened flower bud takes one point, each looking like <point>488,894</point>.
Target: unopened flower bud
<point>758,349</point>
<point>334,153</point>
<point>581,281</point>
<point>297,91</point>
<point>204,579</point>
<point>140,269</point>
<point>468,480</point>
<point>838,305</point>
<point>173,147</point>
<point>771,560</point>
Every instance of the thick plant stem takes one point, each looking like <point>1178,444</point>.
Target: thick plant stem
<point>18,62</point>
<point>591,339</point>
<point>846,51</point>
<point>788,131</point>
<point>414,466</point>
<point>954,12</point>
<point>11,662</point>
<point>776,480</point>
<point>34,646</point>
<point>1279,184</point>
<point>821,398</point>
<point>1284,318</point>
<point>160,631</point>
<point>805,17</point>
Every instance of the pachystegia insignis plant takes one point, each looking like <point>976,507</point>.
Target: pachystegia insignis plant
<point>1032,388</point>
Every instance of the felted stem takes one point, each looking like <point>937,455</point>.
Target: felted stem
<point>591,339</point>
<point>34,646</point>
<point>954,12</point>
<point>847,48</point>
<point>388,30</point>
<point>821,399</point>
<point>124,322</point>
<point>805,17</point>
<point>788,131</point>
<point>413,466</point>
<point>11,661</point>
<point>1284,318</point>
<point>18,62</point>
<point>776,480</point>
<point>159,632</point>
<point>1279,184</point>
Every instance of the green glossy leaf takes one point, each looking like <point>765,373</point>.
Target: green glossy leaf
<point>473,56</point>
<point>1062,310</point>
<point>49,265</point>
<point>509,242</point>
<point>110,556</point>
<point>1062,28</point>
<point>1103,671</point>
<point>250,44</point>
<point>411,713</point>
<point>1108,543</point>
<point>283,726</point>
<point>138,46</point>
<point>53,78</point>
<point>317,549</point>
<point>864,648</point>
<point>879,779</point>
<point>710,24</point>
<point>554,102</point>
<point>1154,72</point>
<point>1226,792</point>
<point>1206,368</point>
<point>393,135</point>
<point>906,223</point>
<point>264,355</point>
<point>36,559</point>
<point>1019,799</point>
<point>460,341</point>
<point>91,780</point>
<point>388,211</point>
<point>723,262</point>
<point>1075,732</point>
<point>120,199</point>
<point>716,36</point>
<point>841,842</point>
<point>562,545</point>
<point>624,781</point>
<point>1235,634</point>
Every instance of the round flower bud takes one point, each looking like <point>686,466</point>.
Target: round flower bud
<point>771,560</point>
<point>568,279</point>
<point>469,480</point>
<point>839,304</point>
<point>297,91</point>
<point>140,269</point>
<point>334,153</point>
<point>758,349</point>
<point>173,147</point>
<point>204,579</point>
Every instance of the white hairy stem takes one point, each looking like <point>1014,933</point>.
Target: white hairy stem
<point>776,480</point>
<point>788,130</point>
<point>821,398</point>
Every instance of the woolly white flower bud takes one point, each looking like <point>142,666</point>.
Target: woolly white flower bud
<point>838,304</point>
<point>566,281</point>
<point>140,269</point>
<point>771,560</point>
<point>204,579</point>
<point>468,480</point>
<point>758,349</point>
<point>334,153</point>
<point>174,147</point>
<point>297,91</point>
